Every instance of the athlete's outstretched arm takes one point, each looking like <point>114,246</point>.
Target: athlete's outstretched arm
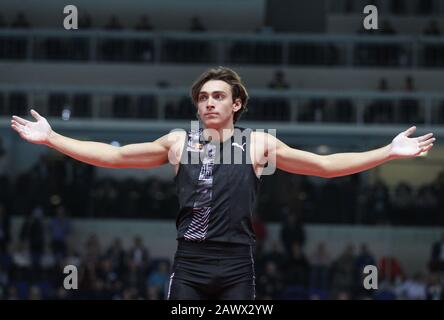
<point>141,155</point>
<point>341,164</point>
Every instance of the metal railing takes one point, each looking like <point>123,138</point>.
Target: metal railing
<point>169,104</point>
<point>221,48</point>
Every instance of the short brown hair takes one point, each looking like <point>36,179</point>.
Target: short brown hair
<point>228,75</point>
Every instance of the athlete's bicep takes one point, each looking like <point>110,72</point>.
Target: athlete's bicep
<point>294,160</point>
<point>148,154</point>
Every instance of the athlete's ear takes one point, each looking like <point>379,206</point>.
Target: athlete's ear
<point>237,105</point>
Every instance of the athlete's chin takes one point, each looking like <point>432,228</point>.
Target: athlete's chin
<point>212,123</point>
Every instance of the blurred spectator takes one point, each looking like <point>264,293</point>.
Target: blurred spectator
<point>93,249</point>
<point>403,205</point>
<point>320,262</point>
<point>434,288</point>
<point>2,22</point>
<point>33,234</point>
<point>113,23</point>
<point>279,81</point>
<point>432,29</point>
<point>390,269</point>
<point>139,255</point>
<point>144,24</point>
<point>398,6</point>
<point>412,288</point>
<point>260,230</point>
<point>425,7</point>
<point>409,107</point>
<point>297,268</point>
<point>270,282</point>
<point>292,231</point>
<point>427,202</point>
<point>343,273</point>
<point>85,21</point>
<point>364,258</point>
<point>112,49</point>
<point>5,229</point>
<point>436,262</point>
<point>386,291</point>
<point>380,110</point>
<point>159,278</point>
<point>116,254</point>
<point>35,293</point>
<point>438,186</point>
<point>20,21</point>
<point>60,229</point>
<point>387,28</point>
<point>273,254</point>
<point>196,25</point>
<point>433,52</point>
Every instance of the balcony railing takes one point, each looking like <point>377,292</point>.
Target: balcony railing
<point>283,106</point>
<point>221,48</point>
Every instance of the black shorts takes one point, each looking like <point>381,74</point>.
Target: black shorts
<point>212,271</point>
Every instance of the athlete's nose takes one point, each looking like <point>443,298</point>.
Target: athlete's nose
<point>210,103</point>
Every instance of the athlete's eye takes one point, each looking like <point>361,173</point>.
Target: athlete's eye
<point>219,96</point>
<point>202,98</point>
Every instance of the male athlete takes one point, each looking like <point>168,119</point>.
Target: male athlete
<point>214,257</point>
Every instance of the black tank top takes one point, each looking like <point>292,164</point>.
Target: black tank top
<point>216,189</point>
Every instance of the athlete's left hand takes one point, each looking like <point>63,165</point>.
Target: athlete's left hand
<point>403,146</point>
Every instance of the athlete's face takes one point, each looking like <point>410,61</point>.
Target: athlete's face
<point>215,104</point>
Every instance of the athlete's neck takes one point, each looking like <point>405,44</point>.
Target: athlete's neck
<point>221,134</point>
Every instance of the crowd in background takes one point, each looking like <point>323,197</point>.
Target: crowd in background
<point>56,179</point>
<point>56,189</point>
<point>32,265</point>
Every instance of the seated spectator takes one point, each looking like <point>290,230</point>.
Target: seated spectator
<point>2,22</point>
<point>85,21</point>
<point>412,288</point>
<point>434,288</point>
<point>278,81</point>
<point>297,269</point>
<point>432,29</point>
<point>436,263</point>
<point>343,273</point>
<point>113,23</point>
<point>292,231</point>
<point>60,229</point>
<point>387,28</point>
<point>320,262</point>
<point>270,282</point>
<point>5,228</point>
<point>159,279</point>
<point>380,110</point>
<point>409,112</point>
<point>144,24</point>
<point>20,21</point>
<point>390,269</point>
<point>196,25</point>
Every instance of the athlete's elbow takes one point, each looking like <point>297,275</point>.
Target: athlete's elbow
<point>325,168</point>
<point>114,158</point>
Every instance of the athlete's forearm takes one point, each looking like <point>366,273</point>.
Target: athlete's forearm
<point>94,153</point>
<point>341,164</point>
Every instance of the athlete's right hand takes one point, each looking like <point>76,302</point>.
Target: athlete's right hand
<point>35,132</point>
